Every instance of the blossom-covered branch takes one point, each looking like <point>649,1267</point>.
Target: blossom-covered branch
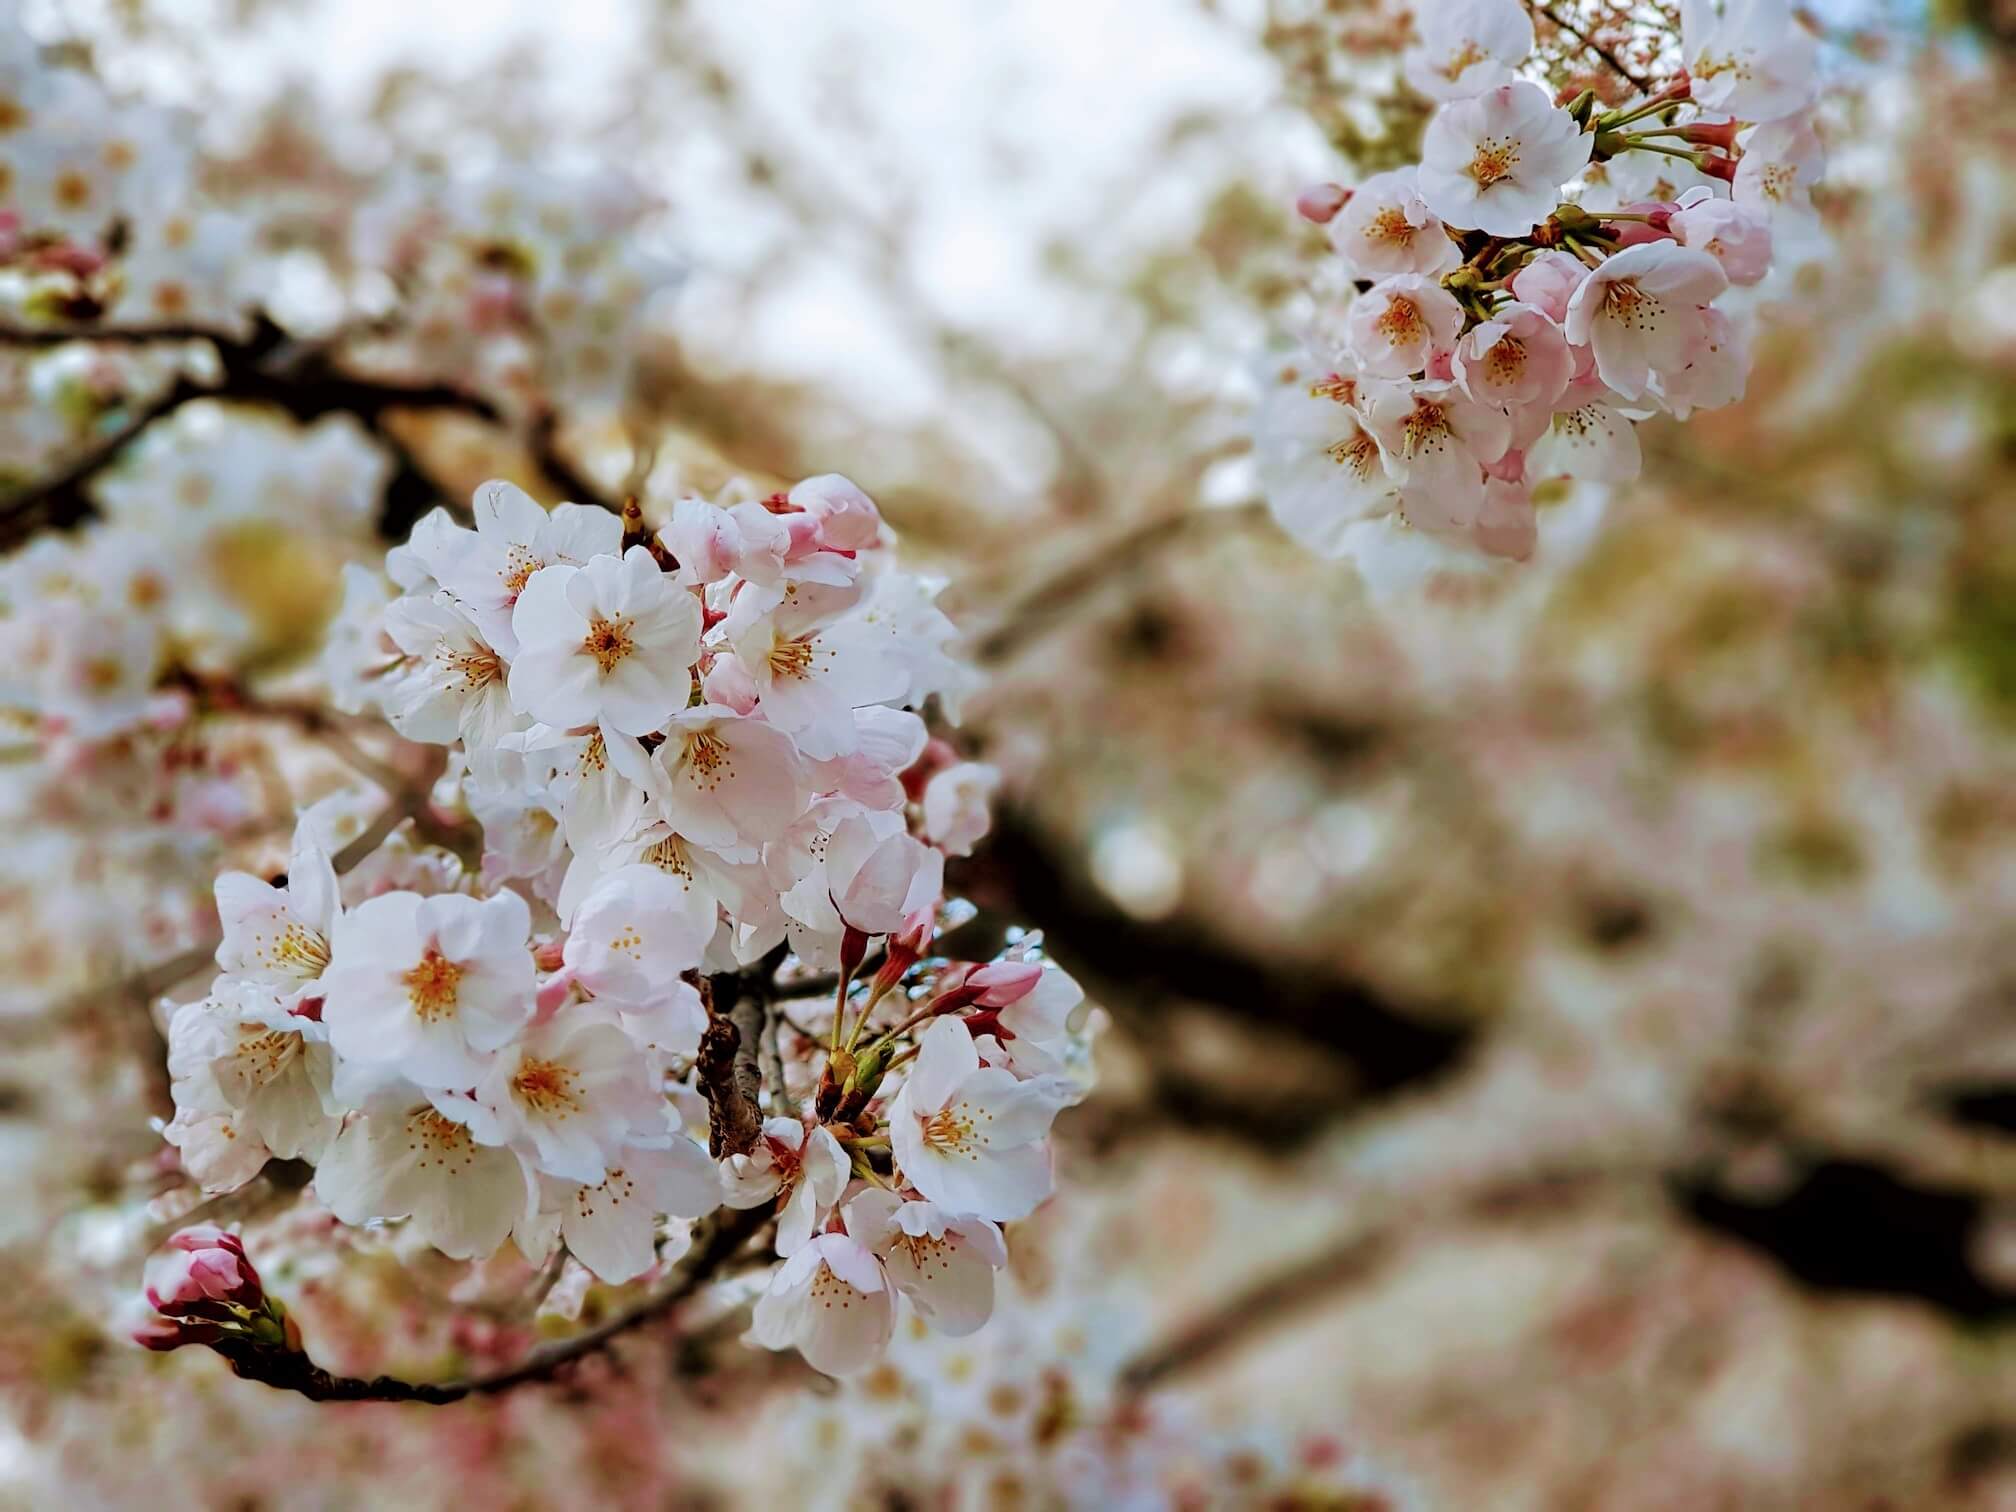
<point>1550,273</point>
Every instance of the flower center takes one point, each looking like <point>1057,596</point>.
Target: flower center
<point>1506,362</point>
<point>948,1132</point>
<point>519,565</point>
<point>1401,322</point>
<point>444,1139</point>
<point>1463,57</point>
<point>1358,454</point>
<point>1631,307</point>
<point>1391,225</point>
<point>546,1087</point>
<point>709,762</point>
<point>608,641</point>
<point>1426,429</point>
<point>1343,390</point>
<point>1776,181</point>
<point>300,950</point>
<point>791,658</point>
<point>1494,161</point>
<point>474,669</point>
<point>265,1056</point>
<point>433,985</point>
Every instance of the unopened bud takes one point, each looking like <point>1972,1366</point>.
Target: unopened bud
<point>1319,203</point>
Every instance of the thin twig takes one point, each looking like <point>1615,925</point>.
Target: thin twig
<point>1609,58</point>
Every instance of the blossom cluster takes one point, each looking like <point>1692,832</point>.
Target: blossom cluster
<point>695,755</point>
<point>1547,275</point>
<point>533,288</point>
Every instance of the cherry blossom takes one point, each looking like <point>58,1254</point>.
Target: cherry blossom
<point>1386,229</point>
<point>943,1263</point>
<point>1640,312</point>
<point>1467,47</point>
<point>1497,162</point>
<point>1750,58</point>
<point>429,986</point>
<point>832,1302</point>
<point>611,640</point>
<point>970,1138</point>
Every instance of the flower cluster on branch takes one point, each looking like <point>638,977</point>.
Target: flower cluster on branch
<point>1548,274</point>
<point>697,758</point>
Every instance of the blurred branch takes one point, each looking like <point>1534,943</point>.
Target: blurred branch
<point>1106,564</point>
<point>1262,1305</point>
<point>1388,1046</point>
<point>1590,45</point>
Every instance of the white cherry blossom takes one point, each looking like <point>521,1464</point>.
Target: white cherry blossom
<point>943,1262</point>
<point>1387,229</point>
<point>1498,162</point>
<point>568,1094</point>
<point>612,641</point>
<point>1467,46</point>
<point>1397,325</point>
<point>1750,58</point>
<point>406,1158</point>
<point>515,537</point>
<point>1640,312</point>
<point>832,1302</point>
<point>429,987</point>
<point>971,1138</point>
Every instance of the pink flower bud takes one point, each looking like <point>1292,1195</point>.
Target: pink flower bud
<point>1005,982</point>
<point>164,1334</point>
<point>199,1272</point>
<point>847,518</point>
<point>1720,134</point>
<point>1319,203</point>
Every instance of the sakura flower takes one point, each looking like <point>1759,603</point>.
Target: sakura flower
<point>279,936</point>
<point>1588,437</point>
<point>1439,440</point>
<point>1322,467</point>
<point>514,538</point>
<point>1497,162</point>
<point>877,881</point>
<point>1750,58</point>
<point>942,1262</point>
<point>727,780</point>
<point>568,1094</point>
<point>1782,161</point>
<point>1518,357</point>
<point>629,943</point>
<point>970,1138</point>
<point>956,806</point>
<point>1397,325</point>
<point>454,684</point>
<point>1736,235</point>
<point>887,745</point>
<point>1386,229</point>
<point>429,986</point>
<point>612,1226</point>
<point>1036,1028</point>
<point>831,1302</point>
<point>1640,312</point>
<point>612,641</point>
<point>406,1158</point>
<point>596,776</point>
<point>803,1173</point>
<point>1467,47</point>
<point>1717,368</point>
<point>250,1080</point>
<point>810,668</point>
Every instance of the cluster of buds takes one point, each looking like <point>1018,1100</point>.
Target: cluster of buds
<point>203,1289</point>
<point>1550,273</point>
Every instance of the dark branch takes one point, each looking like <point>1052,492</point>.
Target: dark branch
<point>291,1370</point>
<point>1591,45</point>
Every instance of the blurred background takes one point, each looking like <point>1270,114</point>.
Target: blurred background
<point>1563,1024</point>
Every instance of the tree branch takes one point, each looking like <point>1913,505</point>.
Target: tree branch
<point>1591,45</point>
<point>292,1370</point>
